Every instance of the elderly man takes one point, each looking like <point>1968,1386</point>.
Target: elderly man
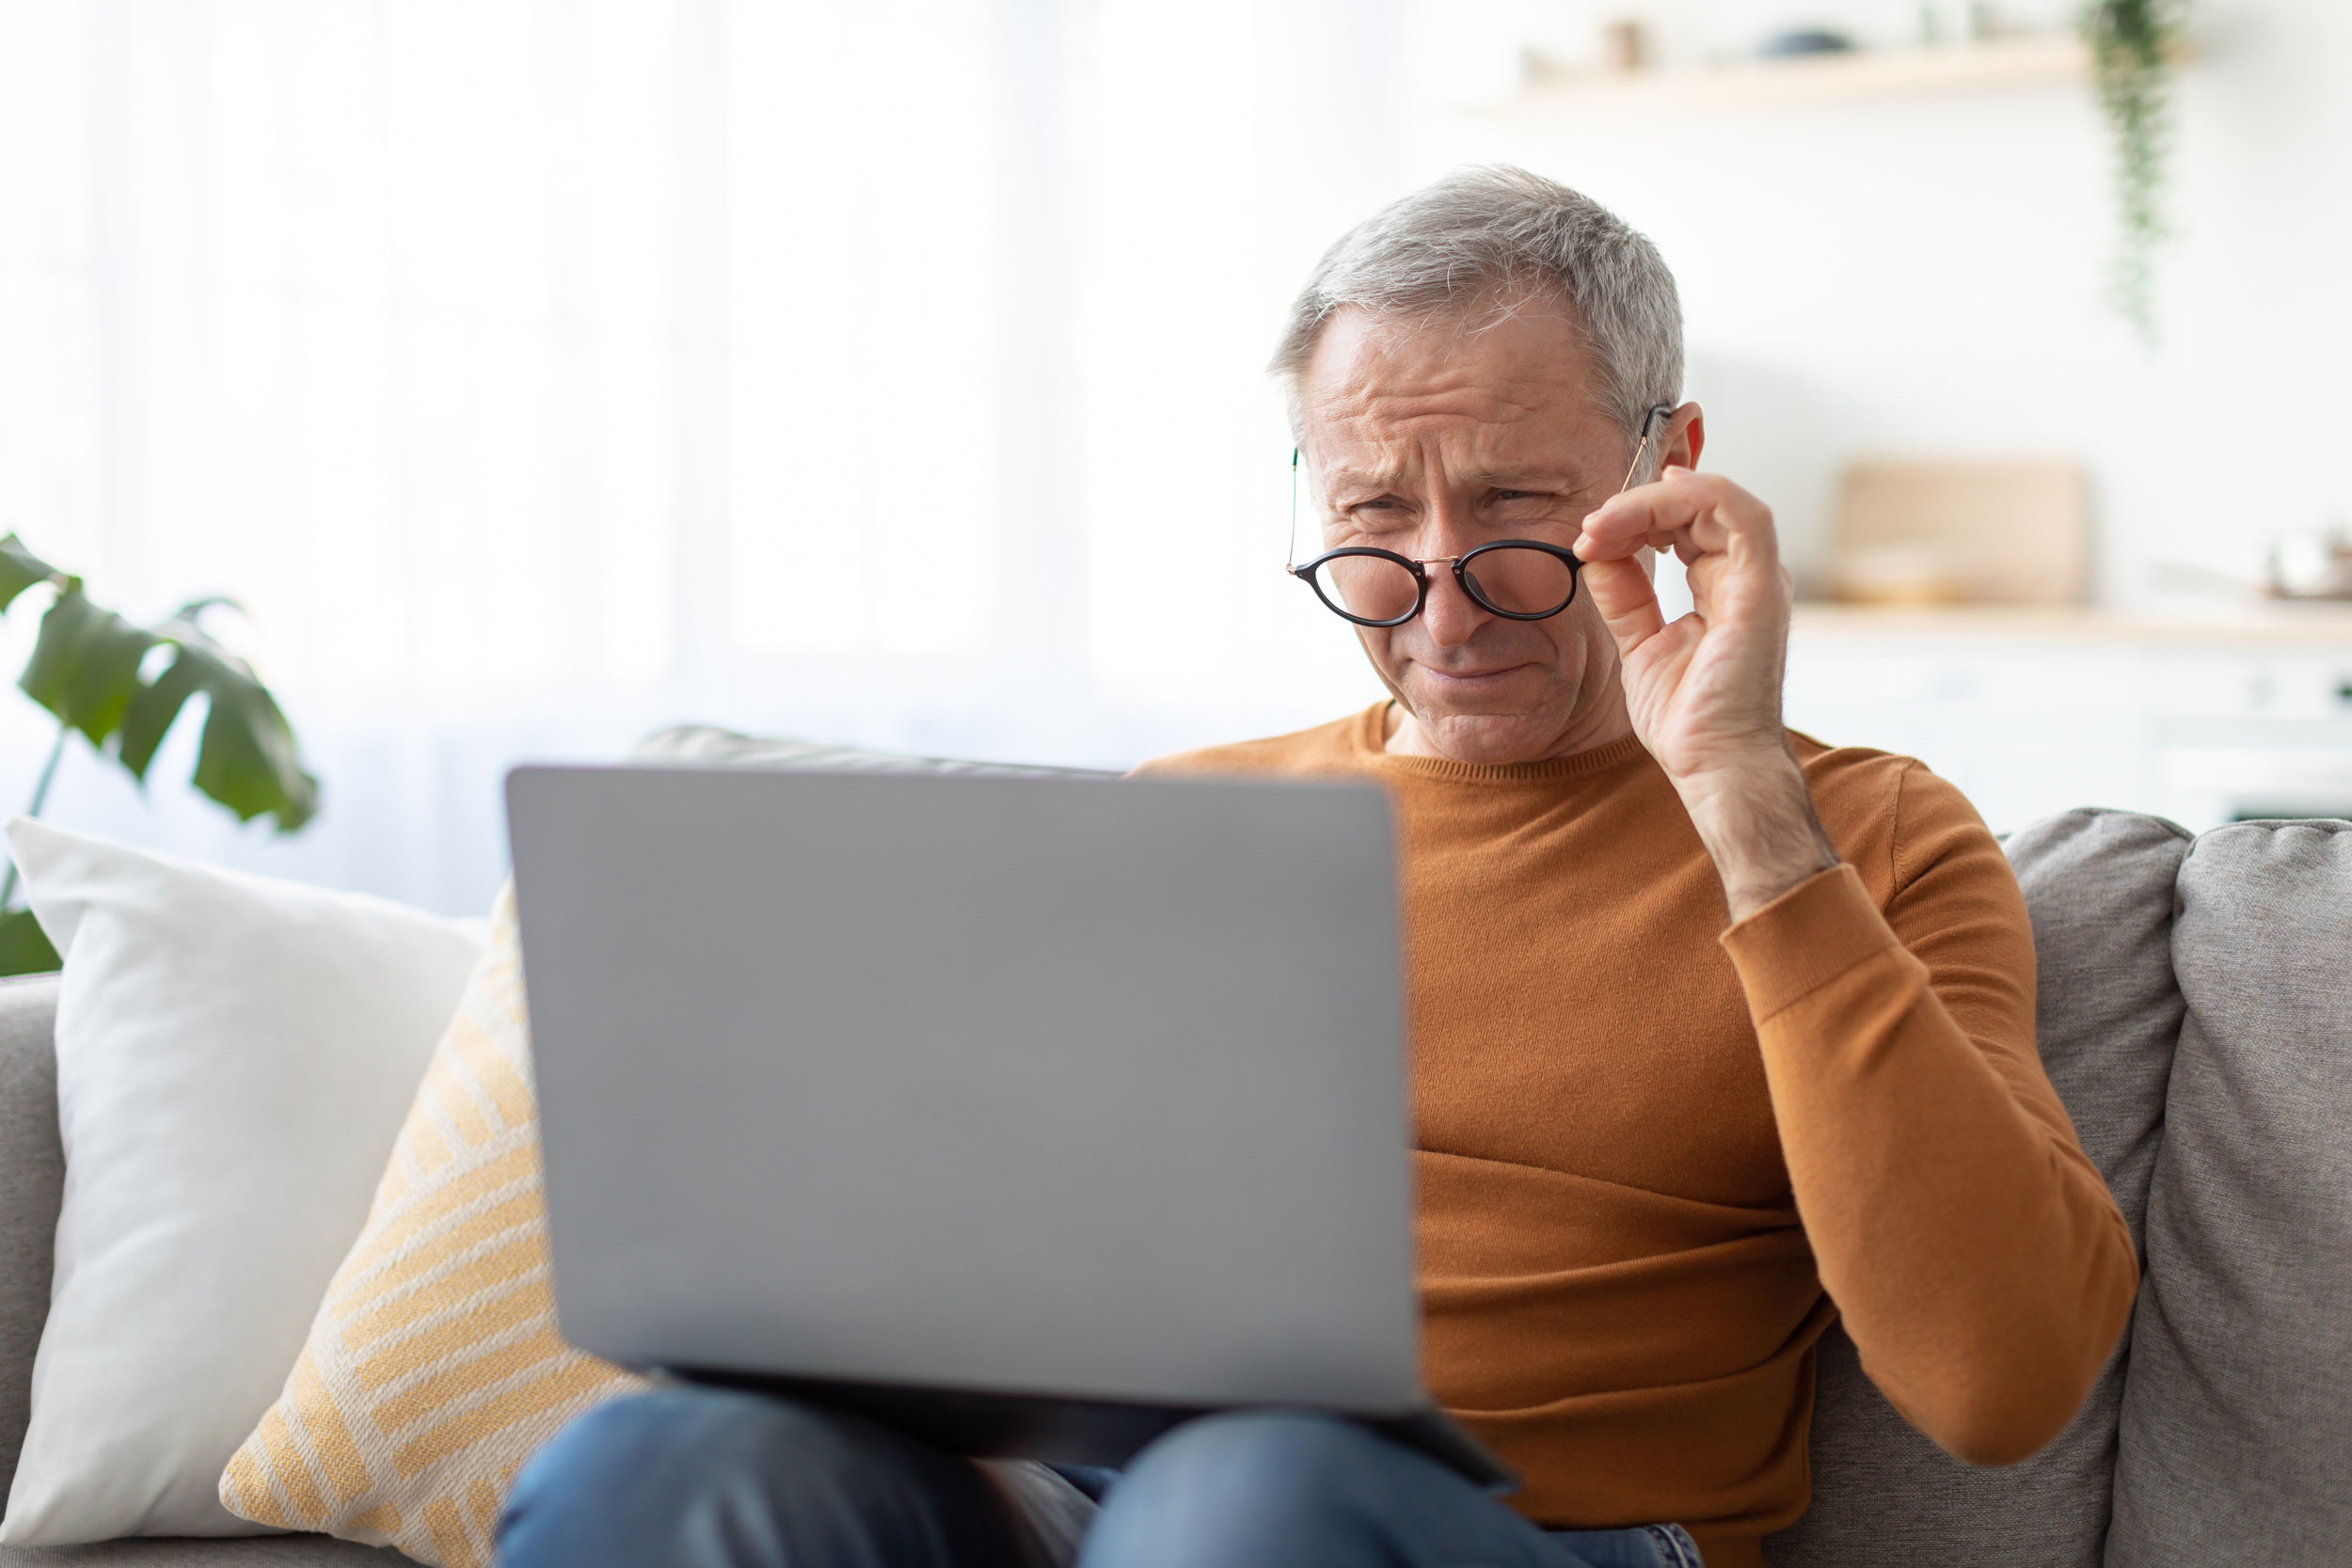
<point>1719,1034</point>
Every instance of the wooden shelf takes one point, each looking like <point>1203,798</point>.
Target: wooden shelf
<point>2030,59</point>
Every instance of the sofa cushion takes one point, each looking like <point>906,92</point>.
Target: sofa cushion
<point>706,746</point>
<point>250,1551</point>
<point>32,1187</point>
<point>434,1369</point>
<point>233,1053</point>
<point>2100,888</point>
<point>2236,1437</point>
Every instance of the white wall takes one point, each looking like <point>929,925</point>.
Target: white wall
<point>1922,277</point>
<point>1926,277</point>
<point>886,372</point>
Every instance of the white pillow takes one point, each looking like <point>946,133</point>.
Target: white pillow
<point>235,1056</point>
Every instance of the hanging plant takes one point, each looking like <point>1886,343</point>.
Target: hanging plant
<point>2133,43</point>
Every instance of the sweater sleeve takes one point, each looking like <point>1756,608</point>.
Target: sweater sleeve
<point>1977,1257</point>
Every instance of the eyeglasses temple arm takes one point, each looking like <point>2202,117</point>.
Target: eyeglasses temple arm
<point>1290,551</point>
<point>1649,421</point>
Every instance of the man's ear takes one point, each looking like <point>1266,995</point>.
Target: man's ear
<point>1685,437</point>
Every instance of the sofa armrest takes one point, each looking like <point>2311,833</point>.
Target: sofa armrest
<point>32,1184</point>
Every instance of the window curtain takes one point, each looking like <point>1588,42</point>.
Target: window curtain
<point>537,371</point>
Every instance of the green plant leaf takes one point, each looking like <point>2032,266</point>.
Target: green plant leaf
<point>25,946</point>
<point>84,667</point>
<point>151,713</point>
<point>20,569</point>
<point>247,758</point>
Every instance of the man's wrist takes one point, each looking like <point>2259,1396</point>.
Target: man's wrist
<point>1755,817</point>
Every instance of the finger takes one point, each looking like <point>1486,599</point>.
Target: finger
<point>1730,520</point>
<point>1681,508</point>
<point>1706,577</point>
<point>1722,592</point>
<point>1628,602</point>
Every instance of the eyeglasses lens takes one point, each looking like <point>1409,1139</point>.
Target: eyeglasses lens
<point>1367,587</point>
<point>1520,582</point>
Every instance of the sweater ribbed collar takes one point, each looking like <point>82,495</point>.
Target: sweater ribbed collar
<point>1371,738</point>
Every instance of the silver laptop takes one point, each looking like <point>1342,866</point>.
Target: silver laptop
<point>1034,1116</point>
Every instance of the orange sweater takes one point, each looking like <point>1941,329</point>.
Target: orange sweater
<point>1657,1156</point>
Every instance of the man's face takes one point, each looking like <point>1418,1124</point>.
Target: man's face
<point>1432,438</point>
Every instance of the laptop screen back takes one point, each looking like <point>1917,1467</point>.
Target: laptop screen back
<point>1059,1086</point>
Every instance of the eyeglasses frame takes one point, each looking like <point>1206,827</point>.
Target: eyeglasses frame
<point>1419,566</point>
<point>1460,563</point>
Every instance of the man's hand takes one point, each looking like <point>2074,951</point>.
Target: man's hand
<point>1704,690</point>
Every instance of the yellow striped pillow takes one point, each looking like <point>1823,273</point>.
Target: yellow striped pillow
<point>432,1370</point>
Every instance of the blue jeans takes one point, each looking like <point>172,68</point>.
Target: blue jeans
<point>707,1478</point>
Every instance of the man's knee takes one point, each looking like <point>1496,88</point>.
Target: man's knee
<point>1305,1450</point>
<point>690,1432</point>
<point>634,1470</point>
<point>1260,1483</point>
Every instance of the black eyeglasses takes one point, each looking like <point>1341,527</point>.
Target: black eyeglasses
<point>1519,580</point>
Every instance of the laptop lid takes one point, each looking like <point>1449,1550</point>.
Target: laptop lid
<point>1062,1087</point>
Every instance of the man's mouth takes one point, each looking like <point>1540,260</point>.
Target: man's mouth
<point>1472,680</point>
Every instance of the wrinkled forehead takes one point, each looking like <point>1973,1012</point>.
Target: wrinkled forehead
<point>1496,387</point>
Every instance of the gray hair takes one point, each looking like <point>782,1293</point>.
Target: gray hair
<point>1486,242</point>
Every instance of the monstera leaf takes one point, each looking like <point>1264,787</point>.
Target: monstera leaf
<point>122,686</point>
<point>86,663</point>
<point>20,569</point>
<point>247,758</point>
<point>89,668</point>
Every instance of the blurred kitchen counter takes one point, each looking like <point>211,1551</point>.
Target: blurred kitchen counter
<point>2319,622</point>
<point>2205,716</point>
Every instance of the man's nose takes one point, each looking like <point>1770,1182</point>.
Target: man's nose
<point>1451,616</point>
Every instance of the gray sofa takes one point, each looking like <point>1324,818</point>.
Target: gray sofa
<point>2196,1016</point>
